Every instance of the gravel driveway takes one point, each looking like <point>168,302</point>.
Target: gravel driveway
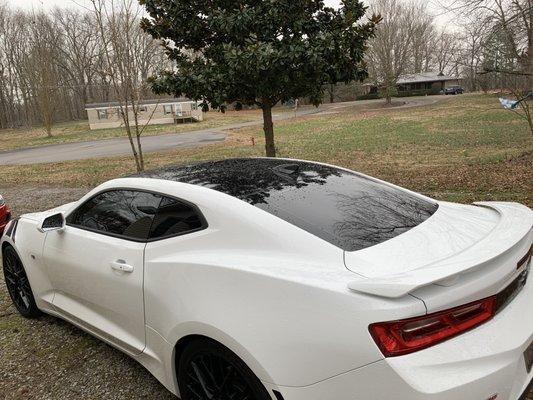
<point>48,358</point>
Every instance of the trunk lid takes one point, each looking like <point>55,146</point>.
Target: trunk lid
<point>471,251</point>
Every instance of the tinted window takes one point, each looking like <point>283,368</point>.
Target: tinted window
<point>121,212</point>
<point>173,218</point>
<point>342,207</point>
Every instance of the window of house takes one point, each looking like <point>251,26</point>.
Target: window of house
<point>194,106</point>
<point>175,218</point>
<point>102,114</point>
<point>167,109</point>
<point>126,213</point>
<point>179,110</point>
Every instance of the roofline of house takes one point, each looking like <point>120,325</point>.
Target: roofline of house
<point>403,81</point>
<point>419,78</point>
<point>113,104</point>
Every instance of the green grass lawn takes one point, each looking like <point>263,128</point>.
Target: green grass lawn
<point>78,131</point>
<point>463,148</point>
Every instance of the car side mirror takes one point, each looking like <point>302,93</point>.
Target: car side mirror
<point>54,222</point>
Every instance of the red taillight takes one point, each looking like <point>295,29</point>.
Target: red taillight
<point>406,336</point>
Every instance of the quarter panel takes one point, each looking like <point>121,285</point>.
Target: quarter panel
<point>292,320</point>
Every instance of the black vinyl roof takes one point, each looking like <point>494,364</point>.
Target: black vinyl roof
<point>344,208</point>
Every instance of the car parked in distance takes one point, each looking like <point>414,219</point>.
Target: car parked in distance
<point>453,90</point>
<point>5,214</point>
<point>279,279</point>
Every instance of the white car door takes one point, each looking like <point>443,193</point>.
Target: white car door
<point>96,265</point>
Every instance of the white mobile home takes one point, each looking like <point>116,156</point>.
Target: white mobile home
<point>151,112</point>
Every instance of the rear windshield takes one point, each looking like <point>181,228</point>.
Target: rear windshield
<point>344,208</point>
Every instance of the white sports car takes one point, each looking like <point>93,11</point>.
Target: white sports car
<point>280,279</point>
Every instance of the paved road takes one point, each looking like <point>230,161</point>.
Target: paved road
<point>105,148</point>
<point>121,146</point>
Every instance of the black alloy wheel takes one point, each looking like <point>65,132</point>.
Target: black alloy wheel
<point>18,284</point>
<point>209,371</point>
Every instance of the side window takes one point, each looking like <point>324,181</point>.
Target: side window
<point>174,218</point>
<point>127,213</point>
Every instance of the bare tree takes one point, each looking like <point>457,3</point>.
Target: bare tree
<point>445,47</point>
<point>499,49</point>
<point>41,62</point>
<point>5,106</point>
<point>13,53</point>
<point>473,39</point>
<point>79,52</point>
<point>51,64</point>
<point>125,49</point>
<point>423,33</point>
<point>511,20</point>
<point>390,49</point>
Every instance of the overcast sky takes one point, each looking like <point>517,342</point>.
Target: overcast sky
<point>48,4</point>
<point>28,4</point>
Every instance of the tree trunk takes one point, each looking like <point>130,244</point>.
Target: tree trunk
<point>388,94</point>
<point>529,119</point>
<point>530,51</point>
<point>48,128</point>
<point>140,149</point>
<point>268,128</point>
<point>138,133</point>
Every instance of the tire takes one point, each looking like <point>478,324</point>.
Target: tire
<point>18,284</point>
<point>208,370</point>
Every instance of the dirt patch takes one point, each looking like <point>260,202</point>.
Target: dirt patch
<point>23,200</point>
<point>387,106</point>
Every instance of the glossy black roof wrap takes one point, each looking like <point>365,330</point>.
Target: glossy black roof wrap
<point>342,207</point>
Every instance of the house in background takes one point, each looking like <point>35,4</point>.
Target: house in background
<point>422,83</point>
<point>429,81</point>
<point>151,112</point>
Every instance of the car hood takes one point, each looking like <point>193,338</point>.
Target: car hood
<point>455,239</point>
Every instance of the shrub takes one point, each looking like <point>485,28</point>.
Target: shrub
<point>368,96</point>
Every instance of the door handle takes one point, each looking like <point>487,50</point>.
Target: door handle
<point>120,265</point>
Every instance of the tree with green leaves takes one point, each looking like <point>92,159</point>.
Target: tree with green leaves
<point>258,52</point>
